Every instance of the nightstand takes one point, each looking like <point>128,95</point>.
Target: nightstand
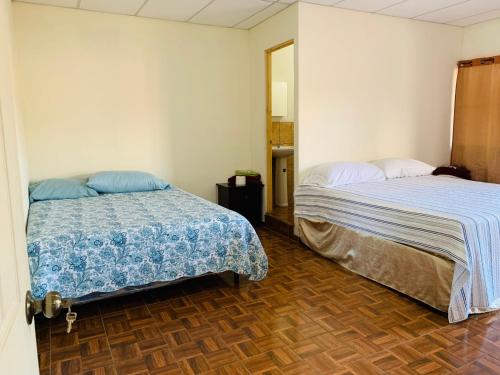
<point>246,200</point>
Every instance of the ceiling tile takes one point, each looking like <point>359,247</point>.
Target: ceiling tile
<point>176,10</point>
<point>414,8</point>
<point>477,18</point>
<point>261,16</point>
<point>366,5</point>
<point>460,11</point>
<point>58,3</point>
<point>112,6</point>
<point>321,2</point>
<point>245,14</point>
<point>229,12</point>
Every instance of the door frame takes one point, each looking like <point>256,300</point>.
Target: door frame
<point>269,120</point>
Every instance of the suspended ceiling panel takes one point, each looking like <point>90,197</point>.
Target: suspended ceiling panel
<point>245,14</point>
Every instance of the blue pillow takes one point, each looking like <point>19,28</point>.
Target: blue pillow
<point>125,182</point>
<point>59,188</point>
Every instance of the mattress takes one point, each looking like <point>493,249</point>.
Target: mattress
<point>103,244</point>
<point>446,216</point>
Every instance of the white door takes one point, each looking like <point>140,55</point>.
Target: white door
<point>17,339</point>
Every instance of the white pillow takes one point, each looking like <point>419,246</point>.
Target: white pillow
<point>335,174</point>
<point>399,168</point>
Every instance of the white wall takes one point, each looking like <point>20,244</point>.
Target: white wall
<point>275,30</point>
<point>283,71</point>
<point>482,40</point>
<point>373,86</point>
<point>182,100</point>
<point>105,92</point>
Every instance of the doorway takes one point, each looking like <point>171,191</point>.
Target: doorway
<point>280,92</point>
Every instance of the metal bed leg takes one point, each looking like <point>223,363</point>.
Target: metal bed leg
<point>236,279</point>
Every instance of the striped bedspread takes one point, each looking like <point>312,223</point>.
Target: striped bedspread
<point>448,216</point>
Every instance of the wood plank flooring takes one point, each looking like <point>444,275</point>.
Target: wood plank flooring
<point>309,316</point>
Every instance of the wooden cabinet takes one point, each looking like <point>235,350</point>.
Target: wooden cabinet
<point>246,200</point>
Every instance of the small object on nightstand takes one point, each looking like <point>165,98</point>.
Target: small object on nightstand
<point>241,180</point>
<point>246,200</point>
<point>244,178</point>
<point>457,171</point>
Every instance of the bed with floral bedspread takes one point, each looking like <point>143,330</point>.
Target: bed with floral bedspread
<point>103,244</point>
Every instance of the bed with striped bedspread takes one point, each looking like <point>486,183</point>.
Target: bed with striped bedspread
<point>454,218</point>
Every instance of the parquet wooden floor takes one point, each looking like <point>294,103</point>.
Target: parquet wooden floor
<point>309,316</point>
<point>281,220</point>
<point>284,214</point>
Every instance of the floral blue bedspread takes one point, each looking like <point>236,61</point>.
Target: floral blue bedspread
<point>103,244</point>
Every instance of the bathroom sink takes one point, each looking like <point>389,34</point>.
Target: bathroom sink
<point>282,151</point>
